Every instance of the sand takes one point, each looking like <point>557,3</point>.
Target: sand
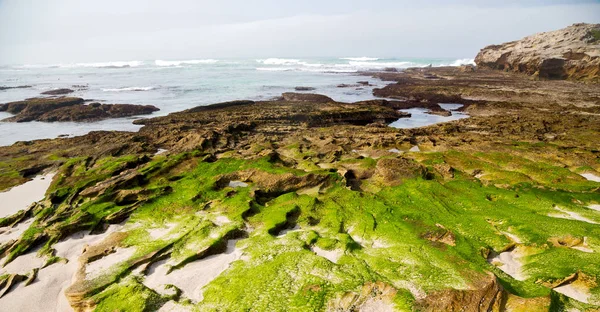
<point>584,246</point>
<point>172,306</point>
<point>591,177</point>
<point>331,255</point>
<point>24,264</point>
<point>157,233</point>
<point>12,233</point>
<point>194,275</point>
<point>160,151</point>
<point>574,291</point>
<point>22,196</point>
<point>47,291</point>
<point>594,207</point>
<point>221,220</point>
<point>508,262</point>
<point>414,149</point>
<point>514,238</point>
<point>571,216</point>
<point>376,305</point>
<point>96,268</point>
<point>235,184</point>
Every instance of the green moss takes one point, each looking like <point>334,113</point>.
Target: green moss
<point>129,295</point>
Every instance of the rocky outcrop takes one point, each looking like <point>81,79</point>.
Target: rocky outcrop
<point>304,89</point>
<point>569,53</point>
<point>58,92</point>
<point>70,109</point>
<point>306,97</point>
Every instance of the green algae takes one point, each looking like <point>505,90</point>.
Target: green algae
<point>381,235</point>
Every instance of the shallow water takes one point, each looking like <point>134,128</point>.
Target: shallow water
<point>178,85</point>
<point>420,117</point>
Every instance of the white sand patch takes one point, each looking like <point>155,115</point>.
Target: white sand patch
<point>379,244</point>
<point>102,265</point>
<point>565,214</point>
<point>574,291</point>
<point>157,233</point>
<point>509,263</point>
<point>8,233</point>
<point>584,246</point>
<point>221,220</point>
<point>172,306</point>
<point>591,177</point>
<point>22,196</point>
<point>47,291</point>
<point>376,305</point>
<point>395,150</point>
<point>331,255</point>
<point>414,149</point>
<point>235,184</point>
<point>160,151</point>
<point>296,228</point>
<point>594,207</point>
<point>24,263</point>
<point>512,237</point>
<point>194,275</point>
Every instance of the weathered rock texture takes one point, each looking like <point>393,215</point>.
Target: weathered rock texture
<point>70,109</point>
<point>569,53</point>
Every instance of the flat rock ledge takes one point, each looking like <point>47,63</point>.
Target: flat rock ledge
<point>70,109</point>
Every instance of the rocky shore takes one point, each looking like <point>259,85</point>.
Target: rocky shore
<point>569,53</point>
<point>69,109</point>
<point>303,203</point>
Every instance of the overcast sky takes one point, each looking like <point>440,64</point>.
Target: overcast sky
<point>65,31</point>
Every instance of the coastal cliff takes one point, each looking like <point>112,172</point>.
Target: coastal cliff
<point>569,53</point>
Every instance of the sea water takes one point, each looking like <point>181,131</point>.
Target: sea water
<point>175,85</point>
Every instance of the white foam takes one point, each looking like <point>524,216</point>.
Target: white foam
<point>117,64</point>
<point>459,62</point>
<point>279,61</point>
<point>185,62</point>
<point>380,65</point>
<point>129,89</point>
<point>360,59</point>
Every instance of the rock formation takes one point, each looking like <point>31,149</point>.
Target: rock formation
<point>70,109</point>
<point>569,53</point>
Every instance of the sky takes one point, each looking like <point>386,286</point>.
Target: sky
<point>67,31</point>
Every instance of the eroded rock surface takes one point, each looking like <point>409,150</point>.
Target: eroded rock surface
<point>70,109</point>
<point>569,53</point>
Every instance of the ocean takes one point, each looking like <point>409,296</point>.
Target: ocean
<point>177,85</point>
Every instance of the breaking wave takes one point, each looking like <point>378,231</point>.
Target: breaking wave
<point>162,63</point>
<point>460,62</point>
<point>129,89</point>
<point>360,59</point>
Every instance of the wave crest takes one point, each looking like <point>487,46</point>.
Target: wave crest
<point>129,89</point>
<point>360,59</point>
<point>162,63</point>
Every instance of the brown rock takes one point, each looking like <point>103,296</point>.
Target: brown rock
<point>306,97</point>
<point>58,92</point>
<point>393,171</point>
<point>569,53</point>
<point>486,295</point>
<point>304,89</point>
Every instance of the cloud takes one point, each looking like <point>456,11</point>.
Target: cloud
<point>78,31</point>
